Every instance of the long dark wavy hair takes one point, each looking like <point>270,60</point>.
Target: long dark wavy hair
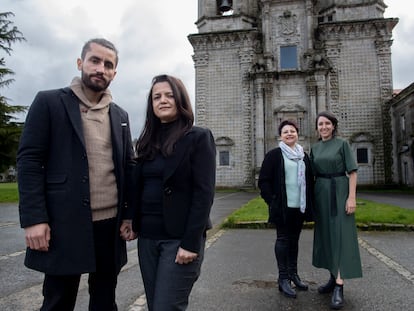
<point>149,144</point>
<point>331,117</point>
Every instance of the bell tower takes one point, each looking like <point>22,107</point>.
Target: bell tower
<point>227,15</point>
<point>258,62</point>
<point>225,50</point>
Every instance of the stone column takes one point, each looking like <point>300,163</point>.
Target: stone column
<point>246,56</point>
<point>200,64</point>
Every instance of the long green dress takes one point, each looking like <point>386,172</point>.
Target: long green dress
<point>335,245</point>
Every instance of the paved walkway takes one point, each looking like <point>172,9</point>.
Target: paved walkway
<point>404,200</point>
<point>239,271</point>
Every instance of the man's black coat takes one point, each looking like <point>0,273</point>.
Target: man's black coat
<point>53,181</point>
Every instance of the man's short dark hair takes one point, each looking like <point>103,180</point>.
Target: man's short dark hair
<point>103,42</point>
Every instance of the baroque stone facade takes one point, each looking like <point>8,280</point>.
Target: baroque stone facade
<point>402,116</point>
<point>263,61</point>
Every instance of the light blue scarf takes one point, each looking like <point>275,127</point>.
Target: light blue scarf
<point>297,154</point>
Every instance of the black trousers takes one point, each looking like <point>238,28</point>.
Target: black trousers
<point>287,243</point>
<point>60,291</point>
<point>167,284</point>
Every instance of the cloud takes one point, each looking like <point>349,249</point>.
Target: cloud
<point>151,37</point>
<point>403,43</point>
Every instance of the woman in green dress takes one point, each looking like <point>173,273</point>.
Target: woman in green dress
<point>335,245</point>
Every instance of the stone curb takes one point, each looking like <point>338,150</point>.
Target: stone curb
<point>309,225</point>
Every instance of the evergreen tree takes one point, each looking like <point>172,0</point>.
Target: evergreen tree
<point>10,130</point>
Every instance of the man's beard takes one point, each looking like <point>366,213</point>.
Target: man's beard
<point>87,81</point>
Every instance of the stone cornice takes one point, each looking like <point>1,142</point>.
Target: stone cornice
<point>276,75</point>
<point>356,29</point>
<point>353,5</point>
<point>224,40</point>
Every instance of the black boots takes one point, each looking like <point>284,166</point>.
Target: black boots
<point>328,287</point>
<point>286,251</point>
<point>337,301</point>
<point>281,252</point>
<point>286,289</point>
<point>298,282</point>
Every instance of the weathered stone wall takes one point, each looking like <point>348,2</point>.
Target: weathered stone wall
<point>343,65</point>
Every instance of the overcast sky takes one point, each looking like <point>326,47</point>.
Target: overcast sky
<point>151,37</point>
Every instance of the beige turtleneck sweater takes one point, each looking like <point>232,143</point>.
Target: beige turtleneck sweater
<point>97,135</point>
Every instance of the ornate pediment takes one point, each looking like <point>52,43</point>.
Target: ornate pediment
<point>289,107</point>
<point>224,141</point>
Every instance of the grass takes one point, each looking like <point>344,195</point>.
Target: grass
<point>255,211</point>
<point>367,212</point>
<point>372,212</point>
<point>8,192</point>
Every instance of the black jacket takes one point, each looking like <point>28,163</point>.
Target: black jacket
<point>53,181</point>
<point>273,187</point>
<point>188,188</point>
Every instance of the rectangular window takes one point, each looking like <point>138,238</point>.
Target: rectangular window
<point>288,57</point>
<point>405,176</point>
<point>402,122</point>
<point>224,158</point>
<point>362,155</point>
<point>403,126</point>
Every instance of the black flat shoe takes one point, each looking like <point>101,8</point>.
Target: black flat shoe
<point>298,282</point>
<point>328,287</point>
<point>337,300</point>
<point>286,289</point>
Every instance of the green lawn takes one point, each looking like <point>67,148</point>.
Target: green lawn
<point>256,210</point>
<point>8,193</point>
<point>367,212</point>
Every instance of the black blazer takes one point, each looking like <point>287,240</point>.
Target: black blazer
<point>189,185</point>
<point>273,187</point>
<point>53,182</point>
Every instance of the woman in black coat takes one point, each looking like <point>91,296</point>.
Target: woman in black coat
<point>173,187</point>
<point>286,184</point>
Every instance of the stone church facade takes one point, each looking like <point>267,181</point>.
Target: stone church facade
<point>402,120</point>
<point>258,62</point>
